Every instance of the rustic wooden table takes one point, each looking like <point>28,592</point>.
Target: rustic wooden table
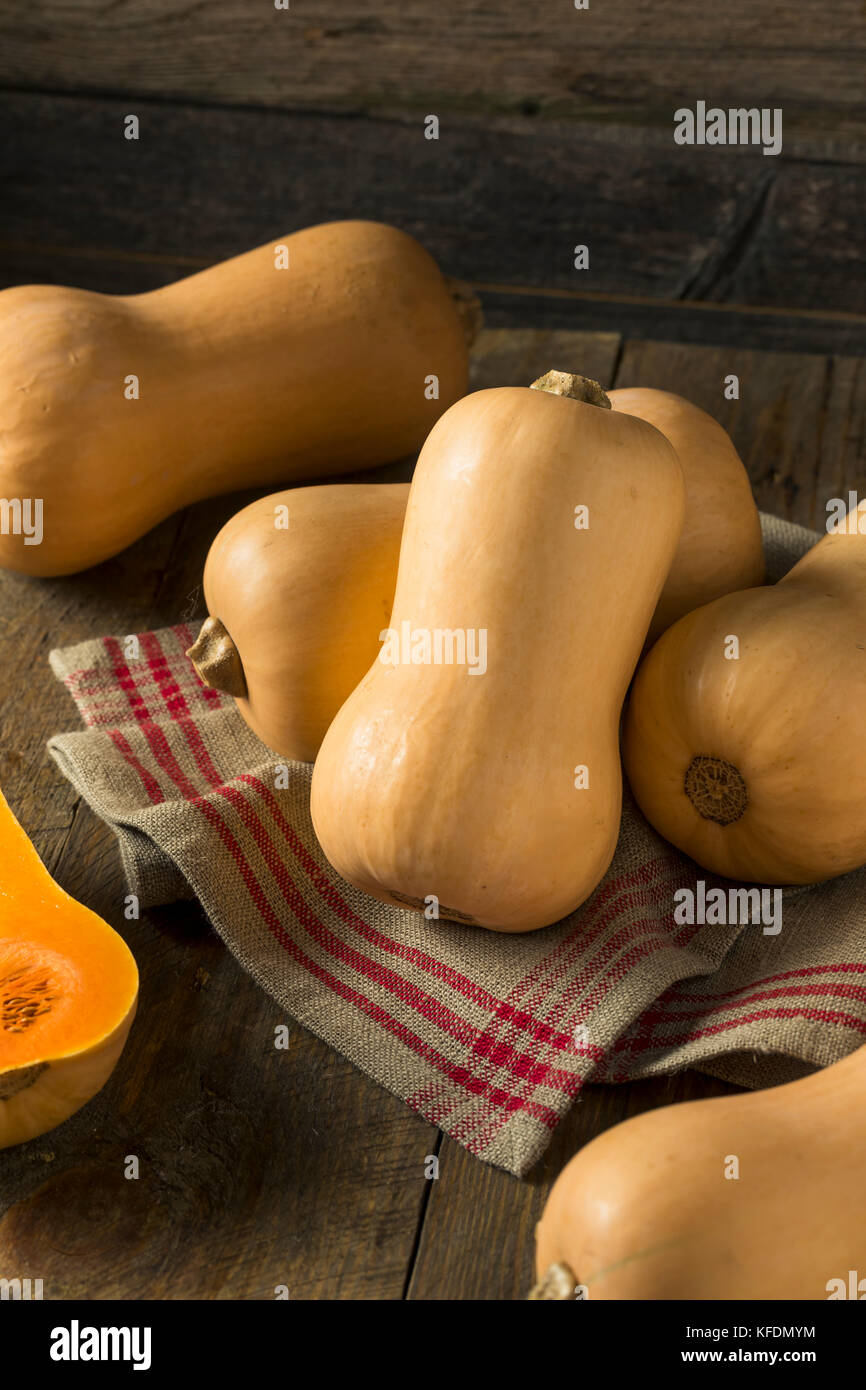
<point>703,264</point>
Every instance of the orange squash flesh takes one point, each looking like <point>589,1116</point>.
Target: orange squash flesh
<point>68,992</point>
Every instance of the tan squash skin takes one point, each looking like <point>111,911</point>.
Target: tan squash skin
<point>283,597</point>
<point>720,548</point>
<point>432,781</point>
<point>62,1088</point>
<point>645,1211</point>
<point>304,606</point>
<point>783,800</point>
<point>248,375</point>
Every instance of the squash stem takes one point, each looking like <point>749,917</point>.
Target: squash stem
<point>576,388</point>
<point>217,660</point>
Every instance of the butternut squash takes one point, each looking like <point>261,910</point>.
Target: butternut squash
<point>474,773</point>
<point>750,1196</point>
<point>299,586</point>
<point>743,736</point>
<point>68,991</point>
<point>294,617</point>
<point>720,548</point>
<point>333,350</point>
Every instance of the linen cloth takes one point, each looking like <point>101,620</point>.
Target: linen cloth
<point>491,1037</point>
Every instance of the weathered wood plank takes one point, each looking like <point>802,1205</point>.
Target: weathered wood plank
<point>477,1240</point>
<point>258,1167</point>
<point>505,307</point>
<point>841,464</point>
<point>204,183</point>
<point>506,357</point>
<point>671,322</point>
<point>798,423</point>
<point>623,60</point>
<point>36,615</point>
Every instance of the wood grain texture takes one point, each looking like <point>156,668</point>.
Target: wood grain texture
<point>258,1167</point>
<point>678,225</point>
<point>261,1168</point>
<point>683,322</point>
<point>478,1235</point>
<point>618,61</point>
<point>503,357</point>
<point>798,424</point>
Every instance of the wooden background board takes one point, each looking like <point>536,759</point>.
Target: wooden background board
<point>258,1167</point>
<point>556,129</point>
<point>618,61</point>
<point>688,227</point>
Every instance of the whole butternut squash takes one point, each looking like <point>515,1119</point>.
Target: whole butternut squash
<point>299,586</point>
<point>295,616</point>
<point>475,772</point>
<point>749,1196</point>
<point>68,991</point>
<point>334,349</point>
<point>743,735</point>
<point>720,548</point>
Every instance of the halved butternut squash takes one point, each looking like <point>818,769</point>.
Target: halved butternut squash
<point>68,992</point>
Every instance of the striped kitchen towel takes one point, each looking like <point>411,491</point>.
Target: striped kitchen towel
<point>490,1037</point>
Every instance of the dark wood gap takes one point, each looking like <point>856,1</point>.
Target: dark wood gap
<point>422,1217</point>
<point>195,263</point>
<point>650,302</point>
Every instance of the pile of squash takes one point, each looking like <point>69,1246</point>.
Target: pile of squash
<point>455,654</point>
